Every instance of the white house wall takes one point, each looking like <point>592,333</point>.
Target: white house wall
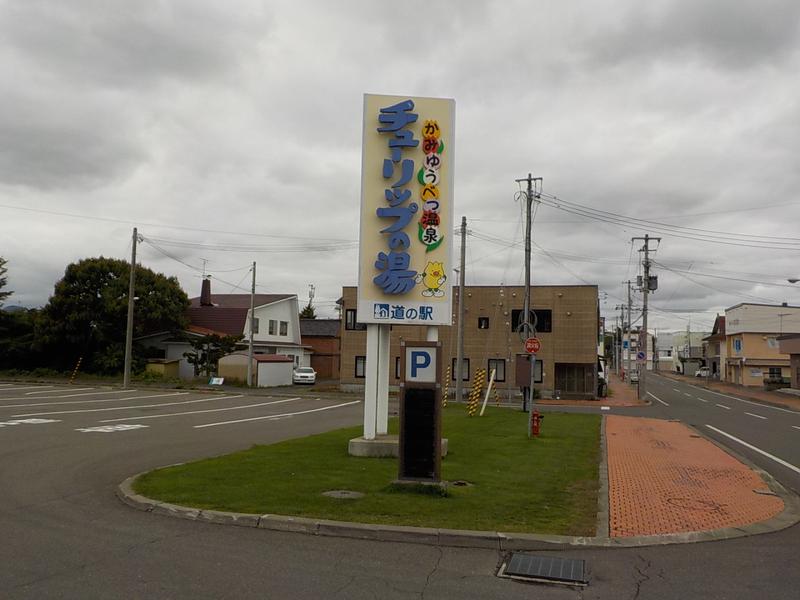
<point>283,310</point>
<point>754,318</point>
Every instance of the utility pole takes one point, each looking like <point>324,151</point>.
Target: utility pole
<point>252,328</point>
<point>126,375</point>
<point>628,353</point>
<point>646,285</point>
<point>461,296</point>
<point>619,336</point>
<point>528,329</point>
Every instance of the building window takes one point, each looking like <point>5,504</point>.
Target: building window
<point>464,370</point>
<point>284,328</point>
<point>361,364</point>
<point>483,322</point>
<point>544,319</point>
<point>775,372</point>
<point>737,345</point>
<point>350,320</point>
<point>397,367</point>
<point>772,342</point>
<point>499,366</point>
<point>255,325</point>
<point>273,327</point>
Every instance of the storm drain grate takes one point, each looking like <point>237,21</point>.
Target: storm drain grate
<point>568,571</point>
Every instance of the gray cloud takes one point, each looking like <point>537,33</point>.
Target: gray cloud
<point>731,35</point>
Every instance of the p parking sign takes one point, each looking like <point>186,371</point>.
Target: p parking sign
<point>420,364</point>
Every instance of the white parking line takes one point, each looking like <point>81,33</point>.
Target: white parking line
<point>88,410</point>
<point>754,449</point>
<point>197,412</point>
<point>756,416</point>
<point>795,427</point>
<point>685,394</point>
<point>657,398</point>
<point>79,401</point>
<point>29,387</point>
<point>676,390</point>
<point>702,399</point>
<point>302,412</point>
<point>93,401</point>
<point>723,406</point>
<point>58,390</point>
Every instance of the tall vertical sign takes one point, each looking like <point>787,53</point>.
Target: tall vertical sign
<point>404,271</point>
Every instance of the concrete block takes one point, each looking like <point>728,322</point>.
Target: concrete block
<point>464,538</point>
<point>284,523</point>
<point>383,446</point>
<point>173,510</point>
<point>228,518</point>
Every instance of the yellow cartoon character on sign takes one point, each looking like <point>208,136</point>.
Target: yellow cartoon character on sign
<point>433,279</point>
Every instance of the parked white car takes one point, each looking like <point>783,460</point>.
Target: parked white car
<point>703,372</point>
<point>304,375</point>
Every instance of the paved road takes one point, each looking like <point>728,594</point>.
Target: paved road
<point>767,435</point>
<point>65,535</point>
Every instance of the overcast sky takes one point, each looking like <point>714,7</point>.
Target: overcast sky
<point>239,125</point>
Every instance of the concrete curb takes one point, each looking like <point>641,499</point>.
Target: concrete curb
<point>603,520</point>
<point>495,540</point>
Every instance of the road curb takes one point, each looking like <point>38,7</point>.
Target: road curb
<point>496,540</point>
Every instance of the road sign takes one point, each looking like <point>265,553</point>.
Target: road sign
<point>640,356</point>
<point>532,345</point>
<point>420,364</point>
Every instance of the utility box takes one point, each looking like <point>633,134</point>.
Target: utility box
<point>420,412</point>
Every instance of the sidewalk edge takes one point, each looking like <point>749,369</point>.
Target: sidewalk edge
<point>500,541</point>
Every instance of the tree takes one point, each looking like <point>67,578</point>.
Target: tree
<point>3,280</point>
<point>87,313</point>
<point>207,351</point>
<point>308,312</point>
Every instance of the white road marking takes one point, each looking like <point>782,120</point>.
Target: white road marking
<point>58,390</point>
<point>197,412</point>
<point>605,408</point>
<point>171,394</point>
<point>795,427</point>
<point>702,399</point>
<point>685,394</point>
<point>111,428</point>
<point>302,412</point>
<point>759,450</point>
<point>657,398</point>
<point>756,416</point>
<point>88,410</point>
<point>29,387</point>
<point>28,422</point>
<point>723,406</point>
<point>81,401</point>
<point>759,404</point>
<point>676,390</point>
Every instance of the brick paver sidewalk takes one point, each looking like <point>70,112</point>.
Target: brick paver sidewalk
<point>664,478</point>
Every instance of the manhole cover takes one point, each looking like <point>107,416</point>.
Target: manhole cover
<point>547,569</point>
<point>343,494</point>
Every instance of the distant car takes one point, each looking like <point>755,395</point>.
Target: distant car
<point>304,375</point>
<point>633,377</point>
<point>703,372</point>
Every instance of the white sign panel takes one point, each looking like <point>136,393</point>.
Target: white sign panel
<point>406,232</point>
<point>420,364</point>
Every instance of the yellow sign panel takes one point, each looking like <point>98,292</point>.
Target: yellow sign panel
<point>406,232</point>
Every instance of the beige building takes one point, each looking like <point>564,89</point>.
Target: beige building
<point>568,328</point>
<point>752,348</point>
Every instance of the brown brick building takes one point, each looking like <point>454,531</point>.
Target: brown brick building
<point>568,327</point>
<point>322,335</point>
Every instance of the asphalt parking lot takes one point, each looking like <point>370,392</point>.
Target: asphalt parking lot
<point>99,410</point>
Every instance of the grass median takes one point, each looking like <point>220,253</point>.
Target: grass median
<point>543,485</point>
